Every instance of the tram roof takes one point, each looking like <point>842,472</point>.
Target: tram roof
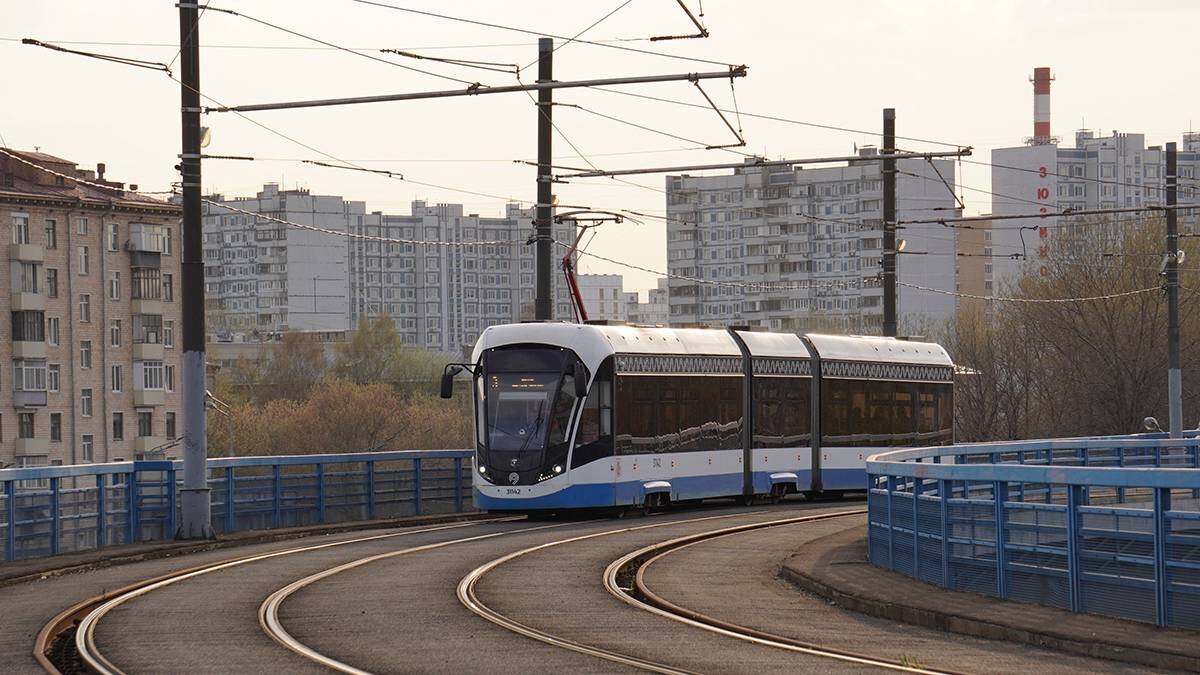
<point>870,348</point>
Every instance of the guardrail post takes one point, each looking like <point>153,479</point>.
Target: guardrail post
<point>944,497</point>
<point>458,484</point>
<point>1121,463</point>
<point>891,486</point>
<point>999,496</point>
<point>101,511</point>
<point>276,496</point>
<point>1196,465</point>
<point>1162,504</point>
<point>55,517</point>
<point>370,490</point>
<point>230,487</point>
<point>916,504</point>
<point>321,493</point>
<point>10,534</point>
<point>172,508</point>
<point>131,498</point>
<point>417,486</point>
<point>1074,499</point>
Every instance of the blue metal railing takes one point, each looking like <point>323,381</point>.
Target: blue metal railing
<point>63,509</point>
<point>1103,525</point>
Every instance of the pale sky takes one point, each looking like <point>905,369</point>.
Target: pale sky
<point>956,71</point>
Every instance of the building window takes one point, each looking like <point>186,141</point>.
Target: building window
<point>52,283</point>
<point>52,377</point>
<point>114,286</point>
<point>147,328</point>
<point>85,402</point>
<point>118,426</point>
<point>145,424</point>
<point>25,425</point>
<point>114,376</point>
<point>151,374</point>
<point>114,333</point>
<point>81,226</point>
<point>168,287</point>
<point>88,448</point>
<point>51,234</point>
<point>171,426</point>
<point>168,333</point>
<point>85,307</point>
<point>26,275</point>
<point>85,353</point>
<point>55,427</point>
<point>166,242</point>
<point>28,326</point>
<point>52,330</point>
<point>169,376</point>
<point>83,260</point>
<point>29,375</point>
<point>114,237</point>
<point>147,284</point>
<point>20,232</point>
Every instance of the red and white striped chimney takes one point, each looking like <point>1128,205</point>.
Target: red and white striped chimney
<point>1041,106</point>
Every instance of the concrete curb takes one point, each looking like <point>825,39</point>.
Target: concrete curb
<point>22,571</point>
<point>812,570</point>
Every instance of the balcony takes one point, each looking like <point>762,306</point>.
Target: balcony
<point>26,349</point>
<point>144,444</point>
<point>145,398</point>
<point>33,302</point>
<point>27,252</point>
<point>147,351</point>
<point>146,306</point>
<point>29,399</point>
<point>32,446</point>
<point>145,238</point>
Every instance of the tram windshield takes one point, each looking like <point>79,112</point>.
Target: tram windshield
<point>529,396</point>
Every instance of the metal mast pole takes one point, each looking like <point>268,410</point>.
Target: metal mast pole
<point>889,222</point>
<point>196,511</point>
<point>1174,372</point>
<point>543,303</point>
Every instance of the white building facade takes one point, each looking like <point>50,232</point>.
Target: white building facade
<point>800,249</point>
<point>263,277</point>
<point>604,296</point>
<point>656,311</point>
<point>1117,171</point>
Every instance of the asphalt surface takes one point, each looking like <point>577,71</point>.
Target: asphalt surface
<point>401,614</point>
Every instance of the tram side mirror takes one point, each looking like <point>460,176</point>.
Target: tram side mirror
<point>579,376</point>
<point>448,380</point>
<point>1151,424</point>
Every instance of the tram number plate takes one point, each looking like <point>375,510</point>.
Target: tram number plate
<point>512,491</point>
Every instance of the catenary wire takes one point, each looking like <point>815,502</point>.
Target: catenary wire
<point>486,24</point>
<point>575,37</point>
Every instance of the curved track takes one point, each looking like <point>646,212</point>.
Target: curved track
<point>642,597</point>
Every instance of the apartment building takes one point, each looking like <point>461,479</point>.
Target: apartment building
<point>604,296</point>
<point>656,311</point>
<point>800,249</point>
<point>92,292</point>
<point>262,276</point>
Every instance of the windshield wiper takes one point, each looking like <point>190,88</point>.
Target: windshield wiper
<point>533,432</point>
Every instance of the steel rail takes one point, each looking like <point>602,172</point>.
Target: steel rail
<point>467,596</point>
<point>90,611</point>
<point>268,611</point>
<point>655,604</point>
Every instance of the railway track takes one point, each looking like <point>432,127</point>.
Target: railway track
<point>625,578</point>
<point>83,617</point>
<point>631,567</point>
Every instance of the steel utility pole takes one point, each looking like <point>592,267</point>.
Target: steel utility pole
<point>889,222</point>
<point>543,306</point>
<point>1174,372</point>
<point>196,511</point>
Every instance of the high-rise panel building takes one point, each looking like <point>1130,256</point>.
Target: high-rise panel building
<point>791,249</point>
<point>656,311</point>
<point>93,297</point>
<point>604,296</point>
<point>263,276</point>
<point>1100,172</point>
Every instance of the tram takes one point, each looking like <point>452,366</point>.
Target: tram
<point>571,416</point>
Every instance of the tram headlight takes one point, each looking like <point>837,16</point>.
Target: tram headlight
<point>483,470</point>
<point>558,468</point>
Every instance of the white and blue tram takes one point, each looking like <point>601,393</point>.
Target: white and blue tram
<point>597,416</point>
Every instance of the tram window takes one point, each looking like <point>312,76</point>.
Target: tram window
<point>594,440</point>
<point>781,411</point>
<point>677,413</point>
